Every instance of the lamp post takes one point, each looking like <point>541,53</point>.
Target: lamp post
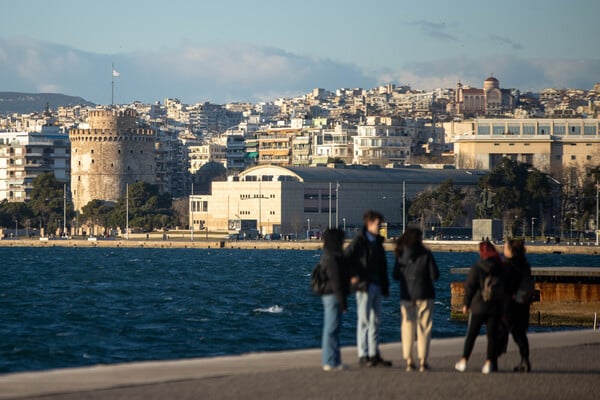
<point>597,206</point>
<point>344,221</point>
<point>532,224</point>
<point>308,229</point>
<point>572,219</point>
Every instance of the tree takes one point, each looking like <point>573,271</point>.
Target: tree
<point>47,201</point>
<point>97,213</point>
<point>148,208</point>
<point>14,214</point>
<point>443,206</point>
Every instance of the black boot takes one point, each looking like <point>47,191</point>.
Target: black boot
<point>524,366</point>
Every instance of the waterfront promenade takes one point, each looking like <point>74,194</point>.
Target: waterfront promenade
<point>181,241</point>
<point>566,365</point>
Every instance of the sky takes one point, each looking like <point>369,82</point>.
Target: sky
<point>240,50</point>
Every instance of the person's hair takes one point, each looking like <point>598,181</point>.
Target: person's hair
<point>517,247</point>
<point>488,251</point>
<point>333,238</point>
<point>372,215</point>
<point>411,238</point>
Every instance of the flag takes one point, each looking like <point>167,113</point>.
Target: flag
<point>116,73</point>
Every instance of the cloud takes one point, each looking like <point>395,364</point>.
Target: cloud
<point>513,72</point>
<point>436,30</point>
<point>190,72</point>
<point>506,41</point>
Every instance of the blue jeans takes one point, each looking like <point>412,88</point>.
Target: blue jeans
<point>368,312</point>
<point>332,319</point>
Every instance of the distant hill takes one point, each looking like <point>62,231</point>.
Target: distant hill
<point>24,103</point>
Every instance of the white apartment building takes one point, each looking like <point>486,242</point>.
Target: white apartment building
<point>381,142</point>
<point>203,154</point>
<point>25,155</point>
<point>333,143</point>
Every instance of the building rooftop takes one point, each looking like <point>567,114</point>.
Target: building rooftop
<point>357,174</point>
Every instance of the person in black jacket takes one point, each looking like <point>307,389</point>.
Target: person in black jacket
<point>482,310</point>
<point>334,297</point>
<point>519,272</point>
<point>370,280</point>
<point>416,270</point>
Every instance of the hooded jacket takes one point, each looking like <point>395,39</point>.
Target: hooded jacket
<point>368,261</point>
<point>416,270</point>
<point>333,266</point>
<point>473,299</point>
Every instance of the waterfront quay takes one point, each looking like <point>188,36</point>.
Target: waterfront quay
<point>566,365</point>
<point>216,241</point>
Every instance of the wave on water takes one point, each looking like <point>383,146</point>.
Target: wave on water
<point>270,310</point>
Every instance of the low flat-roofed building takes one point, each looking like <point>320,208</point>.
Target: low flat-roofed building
<point>292,199</point>
<point>550,145</point>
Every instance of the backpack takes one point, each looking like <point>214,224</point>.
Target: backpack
<point>526,291</point>
<point>317,281</point>
<point>492,288</point>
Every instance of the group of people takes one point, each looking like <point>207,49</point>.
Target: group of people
<point>362,268</point>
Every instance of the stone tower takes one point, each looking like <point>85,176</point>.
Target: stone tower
<point>112,153</point>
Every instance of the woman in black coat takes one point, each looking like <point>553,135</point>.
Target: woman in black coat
<point>416,270</point>
<point>333,296</point>
<point>486,278</point>
<point>519,286</point>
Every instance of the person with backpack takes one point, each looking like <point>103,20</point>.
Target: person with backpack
<point>370,280</point>
<point>416,270</point>
<point>520,287</point>
<point>484,302</point>
<point>334,291</point>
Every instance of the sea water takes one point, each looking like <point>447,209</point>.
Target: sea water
<point>68,307</point>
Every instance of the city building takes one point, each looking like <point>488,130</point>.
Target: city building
<point>286,200</point>
<point>489,101</point>
<point>336,143</point>
<point>112,153</point>
<point>203,154</point>
<point>381,141</point>
<point>25,155</point>
<point>550,145</point>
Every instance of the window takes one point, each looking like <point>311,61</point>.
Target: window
<point>573,157</point>
<point>588,158</point>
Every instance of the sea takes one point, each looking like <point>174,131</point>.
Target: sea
<point>71,307</point>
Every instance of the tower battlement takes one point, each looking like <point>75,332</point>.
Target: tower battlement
<point>114,152</point>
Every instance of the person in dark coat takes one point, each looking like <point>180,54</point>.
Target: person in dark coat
<point>481,311</point>
<point>370,280</point>
<point>518,271</point>
<point>334,297</point>
<point>416,270</point>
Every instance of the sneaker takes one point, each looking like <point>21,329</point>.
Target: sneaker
<point>424,367</point>
<point>488,367</point>
<point>377,361</point>
<point>342,367</point>
<point>461,365</point>
<point>329,368</point>
<point>524,366</point>
<point>364,362</point>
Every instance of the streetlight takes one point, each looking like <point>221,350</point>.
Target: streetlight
<point>532,223</point>
<point>308,229</point>
<point>572,219</point>
<point>344,221</point>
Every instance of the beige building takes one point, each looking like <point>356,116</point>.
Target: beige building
<point>203,154</point>
<point>381,141</point>
<point>491,100</point>
<point>550,145</point>
<point>289,200</point>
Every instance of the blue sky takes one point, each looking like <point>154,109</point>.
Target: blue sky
<point>242,50</point>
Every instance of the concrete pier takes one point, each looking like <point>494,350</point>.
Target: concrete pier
<point>566,365</point>
<point>567,295</point>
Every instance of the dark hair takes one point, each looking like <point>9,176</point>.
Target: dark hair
<point>372,215</point>
<point>488,251</point>
<point>517,247</point>
<point>333,239</point>
<point>411,238</point>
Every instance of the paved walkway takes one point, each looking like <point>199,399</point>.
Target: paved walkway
<point>566,365</point>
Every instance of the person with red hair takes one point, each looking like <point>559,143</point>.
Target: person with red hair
<point>483,301</point>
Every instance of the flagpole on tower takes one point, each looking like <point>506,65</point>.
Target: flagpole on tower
<point>112,93</point>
